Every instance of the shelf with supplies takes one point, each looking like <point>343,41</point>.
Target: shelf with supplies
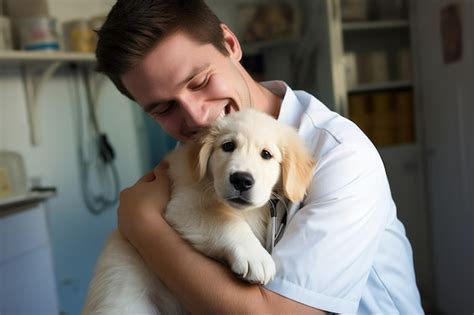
<point>31,198</point>
<point>41,56</point>
<point>378,74</point>
<point>375,25</point>
<point>385,116</point>
<point>373,87</point>
<point>258,55</point>
<point>257,47</point>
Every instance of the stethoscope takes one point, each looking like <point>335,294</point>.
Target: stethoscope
<point>275,230</point>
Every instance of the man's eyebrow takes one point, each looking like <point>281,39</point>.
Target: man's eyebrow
<point>196,71</point>
<point>149,107</point>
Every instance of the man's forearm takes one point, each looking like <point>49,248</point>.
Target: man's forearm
<point>202,284</point>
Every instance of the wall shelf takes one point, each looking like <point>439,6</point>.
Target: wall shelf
<point>252,48</point>
<point>31,198</point>
<point>369,87</point>
<point>37,67</point>
<point>34,56</point>
<point>375,25</point>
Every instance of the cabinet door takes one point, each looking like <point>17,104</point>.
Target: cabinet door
<point>27,282</point>
<point>22,232</point>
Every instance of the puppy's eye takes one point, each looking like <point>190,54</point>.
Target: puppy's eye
<point>266,155</point>
<point>228,146</point>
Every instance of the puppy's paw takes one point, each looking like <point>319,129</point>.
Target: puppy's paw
<point>253,264</point>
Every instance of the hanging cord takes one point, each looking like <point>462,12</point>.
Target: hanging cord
<point>100,182</point>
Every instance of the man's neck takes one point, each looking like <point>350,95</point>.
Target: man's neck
<point>273,104</point>
<point>264,100</point>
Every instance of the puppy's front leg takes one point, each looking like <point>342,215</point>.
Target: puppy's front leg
<point>225,236</point>
<point>246,256</point>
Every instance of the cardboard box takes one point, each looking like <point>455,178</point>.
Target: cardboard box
<point>26,8</point>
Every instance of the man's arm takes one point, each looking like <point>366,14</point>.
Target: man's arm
<point>202,284</point>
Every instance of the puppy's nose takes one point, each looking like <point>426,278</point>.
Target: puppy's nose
<point>242,181</point>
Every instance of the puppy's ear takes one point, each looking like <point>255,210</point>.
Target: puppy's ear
<point>297,168</point>
<point>200,152</point>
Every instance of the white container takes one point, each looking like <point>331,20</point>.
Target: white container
<point>13,173</point>
<point>354,10</point>
<point>78,36</point>
<point>350,68</point>
<point>404,71</point>
<point>38,33</point>
<point>373,67</point>
<point>5,34</point>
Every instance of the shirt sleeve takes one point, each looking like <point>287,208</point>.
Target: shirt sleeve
<point>324,258</point>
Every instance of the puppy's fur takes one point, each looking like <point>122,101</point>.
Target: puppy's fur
<point>219,203</point>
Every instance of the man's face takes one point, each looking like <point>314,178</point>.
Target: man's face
<point>185,85</point>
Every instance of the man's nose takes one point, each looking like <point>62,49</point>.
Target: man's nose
<point>196,112</point>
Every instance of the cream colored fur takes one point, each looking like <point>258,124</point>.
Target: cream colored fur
<point>202,211</point>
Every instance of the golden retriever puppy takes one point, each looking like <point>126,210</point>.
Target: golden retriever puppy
<point>219,202</point>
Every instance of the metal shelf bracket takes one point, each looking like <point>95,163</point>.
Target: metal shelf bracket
<point>34,77</point>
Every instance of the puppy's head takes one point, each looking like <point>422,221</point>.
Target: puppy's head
<point>249,154</point>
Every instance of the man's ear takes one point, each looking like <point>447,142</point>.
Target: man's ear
<point>200,152</point>
<point>232,43</point>
<point>297,168</point>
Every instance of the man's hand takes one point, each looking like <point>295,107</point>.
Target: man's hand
<point>143,201</point>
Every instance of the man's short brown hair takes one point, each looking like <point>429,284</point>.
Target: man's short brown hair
<point>134,27</point>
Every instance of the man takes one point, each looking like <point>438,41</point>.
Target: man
<point>343,250</point>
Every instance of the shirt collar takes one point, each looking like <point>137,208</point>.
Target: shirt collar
<point>290,109</point>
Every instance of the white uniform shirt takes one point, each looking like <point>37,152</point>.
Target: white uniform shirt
<point>343,249</point>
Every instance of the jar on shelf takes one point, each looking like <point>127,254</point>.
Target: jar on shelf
<point>38,33</point>
<point>78,36</point>
<point>5,34</point>
<point>373,67</point>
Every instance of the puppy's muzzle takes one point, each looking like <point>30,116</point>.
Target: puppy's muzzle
<point>242,181</point>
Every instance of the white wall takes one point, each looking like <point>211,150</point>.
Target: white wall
<point>448,121</point>
<point>76,235</point>
<point>64,10</point>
